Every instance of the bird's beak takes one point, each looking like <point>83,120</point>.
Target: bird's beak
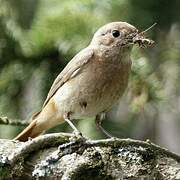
<point>141,40</point>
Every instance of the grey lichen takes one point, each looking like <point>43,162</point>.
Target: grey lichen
<point>63,156</point>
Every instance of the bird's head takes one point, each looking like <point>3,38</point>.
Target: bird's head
<point>120,35</point>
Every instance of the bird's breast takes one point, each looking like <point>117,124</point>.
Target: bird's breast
<point>95,89</point>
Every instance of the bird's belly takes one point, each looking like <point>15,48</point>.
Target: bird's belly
<point>91,93</point>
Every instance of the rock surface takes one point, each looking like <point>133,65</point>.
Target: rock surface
<point>63,156</point>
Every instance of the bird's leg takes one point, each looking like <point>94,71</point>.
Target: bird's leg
<point>69,121</point>
<point>98,121</point>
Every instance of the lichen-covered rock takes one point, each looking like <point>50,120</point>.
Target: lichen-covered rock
<point>62,156</point>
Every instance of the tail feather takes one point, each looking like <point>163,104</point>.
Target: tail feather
<point>41,121</point>
<point>27,132</point>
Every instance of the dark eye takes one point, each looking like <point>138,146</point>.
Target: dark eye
<point>115,33</point>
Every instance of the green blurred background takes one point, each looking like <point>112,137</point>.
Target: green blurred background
<point>39,37</point>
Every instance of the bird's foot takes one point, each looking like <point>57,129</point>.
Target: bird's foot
<point>77,133</point>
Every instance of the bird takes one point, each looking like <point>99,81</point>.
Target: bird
<point>91,83</point>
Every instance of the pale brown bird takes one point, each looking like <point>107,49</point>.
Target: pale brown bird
<point>92,82</point>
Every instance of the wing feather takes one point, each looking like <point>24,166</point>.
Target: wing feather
<point>70,71</point>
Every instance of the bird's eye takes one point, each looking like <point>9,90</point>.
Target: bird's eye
<point>115,33</point>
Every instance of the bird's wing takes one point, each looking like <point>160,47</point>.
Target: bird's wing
<point>70,71</point>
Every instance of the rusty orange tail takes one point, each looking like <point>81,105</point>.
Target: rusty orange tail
<point>27,132</point>
<point>45,119</point>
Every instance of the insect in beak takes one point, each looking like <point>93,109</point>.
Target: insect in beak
<point>140,39</point>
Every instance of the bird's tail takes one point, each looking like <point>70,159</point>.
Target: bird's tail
<point>45,119</point>
<point>29,131</point>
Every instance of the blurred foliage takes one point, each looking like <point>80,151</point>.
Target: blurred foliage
<point>38,37</point>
